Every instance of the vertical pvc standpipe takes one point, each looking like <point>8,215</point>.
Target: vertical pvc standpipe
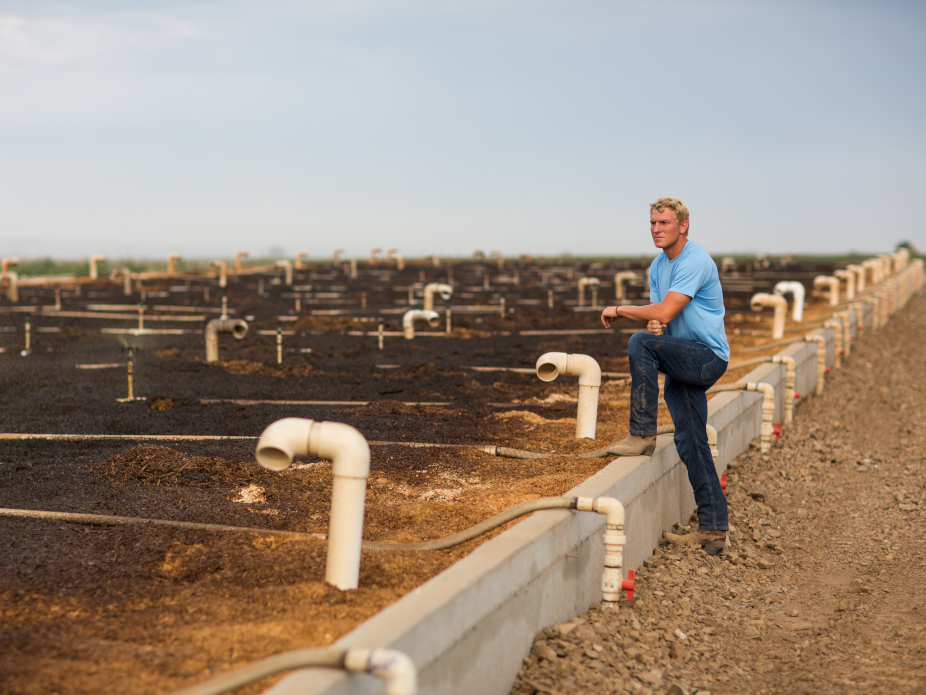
<point>349,454</point>
<point>236,327</point>
<point>299,256</point>
<point>588,282</point>
<point>846,335</point>
<point>412,315</point>
<point>94,260</point>
<point>612,579</point>
<point>239,257</point>
<point>860,272</point>
<point>223,273</point>
<point>12,287</point>
<point>797,292</point>
<point>397,257</point>
<point>830,282</point>
<point>821,359</point>
<point>27,335</point>
<point>373,253</point>
<point>620,293</point>
<point>763,299</point>
<point>551,364</point>
<point>126,282</point>
<point>287,271</point>
<point>171,263</point>
<point>445,291</point>
<point>849,277</point>
<point>790,374</point>
<point>768,408</point>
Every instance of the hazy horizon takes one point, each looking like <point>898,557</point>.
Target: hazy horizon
<point>137,130</point>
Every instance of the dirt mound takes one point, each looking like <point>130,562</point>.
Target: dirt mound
<point>160,465</point>
<point>527,416</point>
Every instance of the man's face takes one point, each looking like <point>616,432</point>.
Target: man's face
<point>665,229</point>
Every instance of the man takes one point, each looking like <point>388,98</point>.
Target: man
<point>685,340</point>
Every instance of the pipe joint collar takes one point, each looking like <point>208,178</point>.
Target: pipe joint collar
<point>393,666</point>
<point>344,446</point>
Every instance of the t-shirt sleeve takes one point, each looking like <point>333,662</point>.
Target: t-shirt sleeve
<point>688,278</point>
<point>653,285</point>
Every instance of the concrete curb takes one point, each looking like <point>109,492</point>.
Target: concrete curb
<point>468,628</point>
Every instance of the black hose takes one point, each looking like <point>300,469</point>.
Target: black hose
<point>483,527</point>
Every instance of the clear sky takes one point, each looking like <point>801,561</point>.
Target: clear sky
<point>132,128</point>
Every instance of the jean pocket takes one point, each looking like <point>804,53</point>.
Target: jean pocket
<point>712,371</point>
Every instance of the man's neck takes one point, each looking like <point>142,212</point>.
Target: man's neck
<point>673,251</point>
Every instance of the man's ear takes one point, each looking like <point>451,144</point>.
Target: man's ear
<point>683,227</point>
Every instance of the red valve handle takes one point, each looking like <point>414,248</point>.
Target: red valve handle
<point>777,431</point>
<point>723,484</point>
<point>629,584</point>
<point>797,395</point>
<point>826,370</point>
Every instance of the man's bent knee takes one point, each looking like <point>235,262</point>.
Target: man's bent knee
<point>638,342</point>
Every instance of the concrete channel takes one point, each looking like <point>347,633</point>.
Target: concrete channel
<point>468,628</point>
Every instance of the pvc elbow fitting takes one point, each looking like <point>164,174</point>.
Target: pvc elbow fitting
<point>410,316</point>
<point>393,666</point>
<point>551,364</point>
<point>763,299</point>
<point>832,283</point>
<point>445,291</point>
<point>609,506</point>
<point>619,278</point>
<point>849,277</point>
<point>236,327</point>
<point>287,270</point>
<point>349,454</point>
<point>797,291</point>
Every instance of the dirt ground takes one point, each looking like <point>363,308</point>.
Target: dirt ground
<point>150,610</point>
<point>820,590</point>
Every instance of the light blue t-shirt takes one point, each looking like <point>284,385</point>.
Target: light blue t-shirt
<point>693,274</point>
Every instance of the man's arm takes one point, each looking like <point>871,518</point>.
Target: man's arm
<point>663,312</point>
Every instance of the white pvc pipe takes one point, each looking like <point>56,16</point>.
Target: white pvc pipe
<point>727,264</point>
<point>849,277</point>
<point>236,327</point>
<point>501,259</point>
<point>171,260</point>
<point>412,315</point>
<point>612,578</point>
<point>583,283</point>
<point>876,269</point>
<point>337,256</point>
<point>126,281</point>
<point>12,289</point>
<point>763,299</point>
<point>435,261</point>
<point>768,407</point>
<point>287,271</point>
<point>373,254</point>
<point>241,255</point>
<point>94,273</point>
<point>860,273</point>
<point>6,263</point>
<point>551,364</point>
<point>399,261</point>
<point>299,256</point>
<point>821,359</point>
<point>223,272</point>
<point>790,374</point>
<point>619,278</point>
<point>797,291</point>
<point>837,336</point>
<point>349,454</point>
<point>832,283</point>
<point>445,291</point>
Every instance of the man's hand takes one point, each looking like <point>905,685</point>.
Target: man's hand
<point>608,315</point>
<point>656,328</point>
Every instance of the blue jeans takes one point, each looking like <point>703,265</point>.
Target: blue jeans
<point>690,370</point>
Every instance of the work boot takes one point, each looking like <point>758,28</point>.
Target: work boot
<point>634,445</point>
<point>712,542</point>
